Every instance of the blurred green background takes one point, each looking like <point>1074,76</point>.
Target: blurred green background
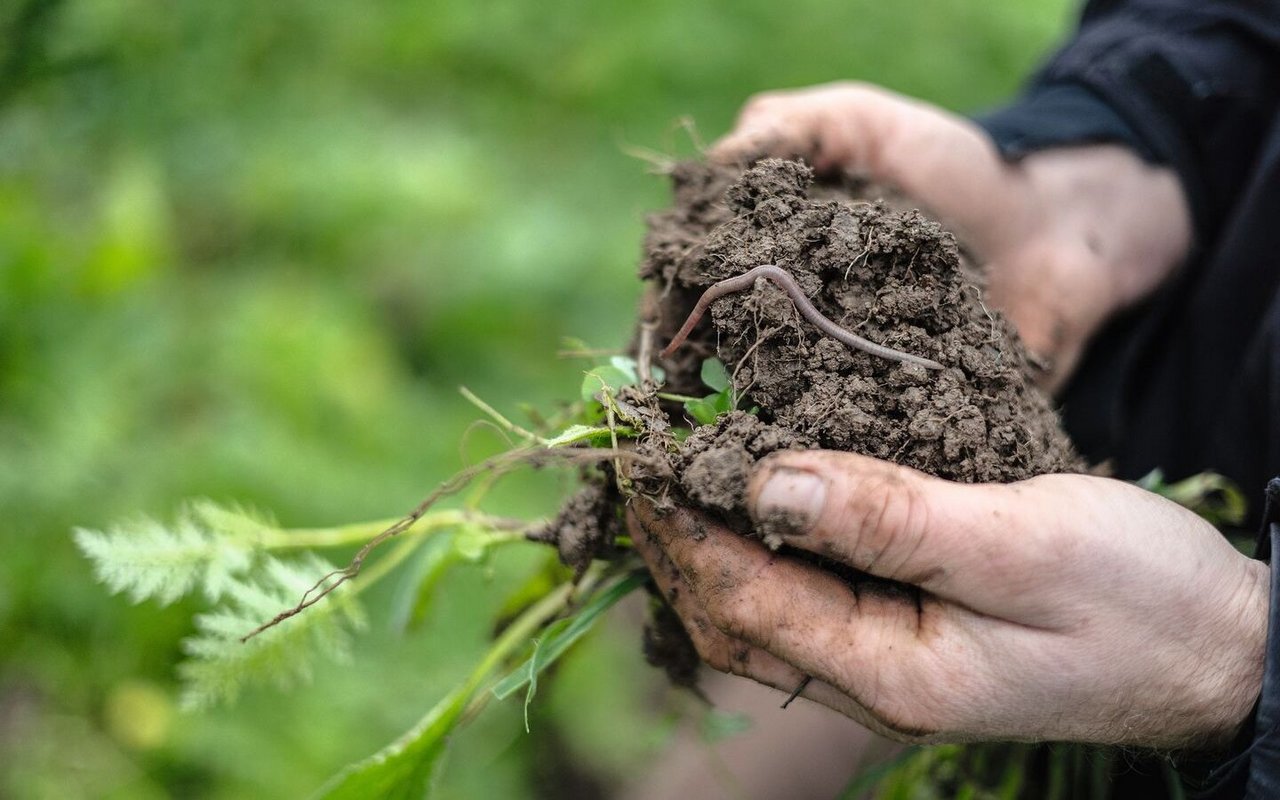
<point>249,250</point>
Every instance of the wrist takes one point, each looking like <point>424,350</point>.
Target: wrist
<point>1235,688</point>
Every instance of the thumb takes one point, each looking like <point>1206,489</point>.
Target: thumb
<point>975,544</point>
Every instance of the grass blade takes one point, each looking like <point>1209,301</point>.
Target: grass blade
<point>563,633</point>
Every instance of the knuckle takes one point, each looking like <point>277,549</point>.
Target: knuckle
<point>884,517</point>
<point>726,610</point>
<point>743,606</point>
<point>909,714</point>
<point>713,651</point>
<point>852,88</point>
<point>853,93</point>
<point>928,700</point>
<point>757,106</point>
<point>721,653</point>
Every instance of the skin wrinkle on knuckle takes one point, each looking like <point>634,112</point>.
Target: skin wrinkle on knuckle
<point>915,527</point>
<point>885,684</point>
<point>899,708</point>
<point>739,614</point>
<point>869,517</point>
<point>713,649</point>
<point>960,670</point>
<point>731,599</point>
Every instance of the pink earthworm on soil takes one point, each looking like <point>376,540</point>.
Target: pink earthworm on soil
<point>806,308</point>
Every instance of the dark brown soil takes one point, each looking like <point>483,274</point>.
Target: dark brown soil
<point>894,277</point>
<point>888,274</point>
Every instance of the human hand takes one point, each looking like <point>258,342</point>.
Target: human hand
<point>1063,607</point>
<point>1069,236</point>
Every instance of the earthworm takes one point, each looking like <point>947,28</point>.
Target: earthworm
<point>806,308</point>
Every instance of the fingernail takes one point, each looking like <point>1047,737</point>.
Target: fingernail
<point>791,501</point>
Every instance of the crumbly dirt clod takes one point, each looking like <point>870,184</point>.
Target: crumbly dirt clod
<point>667,645</point>
<point>894,277</point>
<point>586,526</point>
<point>888,274</point>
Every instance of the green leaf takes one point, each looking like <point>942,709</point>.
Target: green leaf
<point>219,665</point>
<point>406,768</point>
<point>606,378</point>
<point>207,546</point>
<point>468,543</point>
<point>580,433</point>
<point>714,375</point>
<point>627,366</point>
<point>538,585</point>
<point>562,634</point>
<point>536,663</point>
<point>1214,497</point>
<point>472,543</point>
<point>437,556</point>
<point>702,411</point>
<point>705,410</point>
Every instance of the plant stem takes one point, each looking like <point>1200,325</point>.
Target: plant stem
<point>361,532</point>
<point>497,417</point>
<point>516,635</point>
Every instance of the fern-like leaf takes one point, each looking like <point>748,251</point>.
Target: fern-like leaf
<point>223,553</point>
<point>207,546</point>
<point>219,664</point>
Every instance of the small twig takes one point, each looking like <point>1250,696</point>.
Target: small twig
<point>465,438</point>
<point>690,127</point>
<point>659,162</point>
<point>612,421</point>
<point>796,692</point>
<point>995,327</point>
<point>754,350</point>
<point>806,308</point>
<point>328,583</point>
<point>497,417</point>
<point>644,353</point>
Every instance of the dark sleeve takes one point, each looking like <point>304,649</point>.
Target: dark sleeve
<point>1187,83</point>
<point>1254,769</point>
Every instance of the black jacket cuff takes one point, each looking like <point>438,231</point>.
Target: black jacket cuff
<point>1059,115</point>
<point>1253,770</point>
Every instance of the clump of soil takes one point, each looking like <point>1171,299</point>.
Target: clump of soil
<point>892,276</point>
<point>887,274</point>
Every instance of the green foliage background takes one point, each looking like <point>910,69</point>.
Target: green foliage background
<point>248,251</point>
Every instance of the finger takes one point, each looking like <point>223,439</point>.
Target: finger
<point>979,545</point>
<point>723,652</point>
<point>715,648</point>
<point>832,126</point>
<point>870,646</point>
<point>744,145</point>
<point>770,124</point>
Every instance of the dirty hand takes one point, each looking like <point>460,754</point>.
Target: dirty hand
<point>1064,607</point>
<point>1069,235</point>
